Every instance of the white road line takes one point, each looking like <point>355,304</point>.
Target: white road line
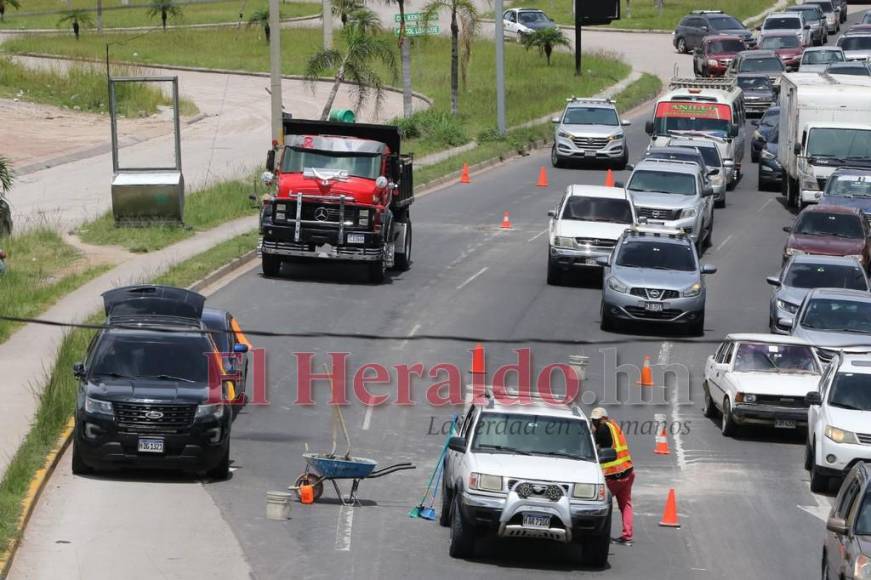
<point>414,330</point>
<point>343,529</point>
<point>766,204</point>
<point>536,236</point>
<point>472,277</point>
<point>680,453</point>
<point>723,243</point>
<point>367,418</point>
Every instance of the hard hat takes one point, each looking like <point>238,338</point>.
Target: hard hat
<point>598,413</point>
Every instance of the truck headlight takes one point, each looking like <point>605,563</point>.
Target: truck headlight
<point>484,482</point>
<point>692,291</point>
<point>565,135</point>
<point>563,242</point>
<point>688,212</point>
<point>862,568</point>
<point>841,435</point>
<point>584,491</point>
<point>787,306</point>
<point>617,286</point>
<point>216,410</point>
<point>809,183</point>
<point>749,398</point>
<point>98,407</point>
<point>363,217</point>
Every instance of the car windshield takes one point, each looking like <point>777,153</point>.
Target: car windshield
<point>782,23</point>
<point>863,518</point>
<point>851,391</point>
<point>810,12</point>
<point>142,356</point>
<point>822,56</point>
<point>726,45</point>
<point>778,42</point>
<point>866,19</point>
<point>855,42</point>
<point>766,357</point>
<point>684,116</point>
<point>297,159</point>
<point>597,209</point>
<point>656,255</point>
<point>711,156</point>
<point>724,23</point>
<point>754,83</point>
<point>590,116</point>
<point>819,223</point>
<point>851,69</point>
<point>663,182</point>
<point>532,17</point>
<point>826,7</point>
<point>825,276</point>
<point>838,315</point>
<point>849,186</point>
<point>761,64</point>
<point>687,156</point>
<point>533,435</point>
<point>840,143</point>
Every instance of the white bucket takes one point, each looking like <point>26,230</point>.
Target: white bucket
<point>277,505</point>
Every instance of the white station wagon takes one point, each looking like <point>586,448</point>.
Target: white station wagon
<point>760,379</point>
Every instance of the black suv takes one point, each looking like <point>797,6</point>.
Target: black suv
<point>700,23</point>
<point>154,389</point>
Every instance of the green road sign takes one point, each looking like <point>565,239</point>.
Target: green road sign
<point>417,30</point>
<point>409,17</point>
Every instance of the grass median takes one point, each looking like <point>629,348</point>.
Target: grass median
<point>44,14</point>
<point>57,402</point>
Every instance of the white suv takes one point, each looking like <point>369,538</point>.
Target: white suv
<point>527,471</point>
<point>839,418</point>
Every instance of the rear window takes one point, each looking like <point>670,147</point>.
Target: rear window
<point>725,23</point>
<point>766,64</point>
<point>778,42</point>
<point>597,209</point>
<point>855,42</point>
<point>729,45</point>
<point>822,56</point>
<point>145,356</point>
<point>782,23</point>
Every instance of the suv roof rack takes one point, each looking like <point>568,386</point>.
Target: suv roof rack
<point>706,12</point>
<point>675,161</point>
<point>722,84</point>
<point>574,99</point>
<point>534,396</point>
<point>656,232</point>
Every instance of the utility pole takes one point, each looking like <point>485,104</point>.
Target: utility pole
<point>275,68</point>
<point>579,17</point>
<point>500,69</point>
<point>327,20</point>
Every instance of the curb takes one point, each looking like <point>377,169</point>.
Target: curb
<point>599,28</point>
<point>34,491</point>
<point>213,277</point>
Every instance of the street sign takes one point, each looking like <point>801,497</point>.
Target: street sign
<point>409,17</point>
<point>418,30</point>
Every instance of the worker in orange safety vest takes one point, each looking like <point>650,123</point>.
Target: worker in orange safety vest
<point>619,474</point>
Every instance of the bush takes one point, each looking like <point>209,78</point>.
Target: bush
<point>435,127</point>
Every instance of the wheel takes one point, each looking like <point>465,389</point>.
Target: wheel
<point>555,158</point>
<point>311,479</point>
<point>824,573</point>
<point>793,197</point>
<point>445,514</point>
<point>596,549</point>
<point>721,203</point>
<point>620,165</point>
<point>271,265</point>
<point>808,457</point>
<point>221,471</point>
<point>377,271</point>
<point>403,259</point>
<point>710,235</point>
<point>727,423</point>
<point>608,324</point>
<point>462,534</point>
<point>760,185</point>
<point>79,465</point>
<point>681,45</point>
<point>754,155</point>
<point>554,274</point>
<point>697,327</point>
<point>819,482</point>
<point>709,410</point>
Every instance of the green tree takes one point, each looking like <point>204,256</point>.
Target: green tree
<point>78,18</point>
<point>545,40</point>
<point>165,9</point>
<point>459,9</point>
<point>345,8</point>
<point>260,18</point>
<point>356,65</point>
<point>4,3</point>
<point>6,176</point>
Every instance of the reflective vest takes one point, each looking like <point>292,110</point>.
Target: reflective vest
<point>624,460</point>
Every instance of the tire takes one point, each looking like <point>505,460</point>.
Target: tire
<point>697,327</point>
<point>554,274</point>
<point>727,424</point>
<point>721,203</point>
<point>403,261</point>
<point>754,156</point>
<point>462,534</point>
<point>819,482</point>
<point>620,165</point>
<point>607,324</point>
<point>681,45</point>
<point>555,158</point>
<point>221,471</point>
<point>445,514</point>
<point>311,479</point>
<point>377,271</point>
<point>596,549</point>
<point>271,265</point>
<point>824,568</point>
<point>79,465</point>
<point>808,457</point>
<point>709,410</point>
<point>759,185</point>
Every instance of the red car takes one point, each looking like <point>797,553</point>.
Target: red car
<point>786,45</point>
<point>829,231</point>
<point>715,53</point>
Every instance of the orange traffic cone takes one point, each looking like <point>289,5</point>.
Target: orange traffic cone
<point>609,179</point>
<point>542,178</point>
<point>646,373</point>
<point>662,442</point>
<point>506,221</point>
<point>464,174</point>
<point>669,516</point>
<point>478,359</point>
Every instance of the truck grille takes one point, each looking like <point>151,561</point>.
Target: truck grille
<point>597,242</point>
<point>864,438</point>
<point>143,416</point>
<point>658,214</point>
<point>319,212</point>
<point>655,293</point>
<point>778,401</point>
<point>592,143</point>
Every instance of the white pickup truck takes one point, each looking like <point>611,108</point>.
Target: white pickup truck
<point>527,471</point>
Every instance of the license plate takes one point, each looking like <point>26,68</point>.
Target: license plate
<point>653,306</point>
<point>590,261</point>
<point>589,153</point>
<point>784,424</point>
<point>356,238</point>
<point>656,222</point>
<point>151,446</point>
<point>536,521</point>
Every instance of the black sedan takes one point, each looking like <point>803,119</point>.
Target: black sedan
<point>764,126</point>
<point>770,169</point>
<point>759,93</point>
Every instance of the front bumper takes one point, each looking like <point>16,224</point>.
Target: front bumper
<point>845,455</point>
<point>584,257</point>
<point>320,243</point>
<point>567,148</point>
<point>746,413</point>
<point>629,307</point>
<point>770,171</point>
<point>811,196</point>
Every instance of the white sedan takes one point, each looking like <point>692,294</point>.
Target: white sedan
<point>520,21</point>
<point>760,379</point>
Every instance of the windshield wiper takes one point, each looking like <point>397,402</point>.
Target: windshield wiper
<point>170,378</point>
<point>112,374</point>
<point>562,454</point>
<point>845,406</point>
<point>503,448</point>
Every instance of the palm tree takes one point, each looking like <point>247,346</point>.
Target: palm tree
<point>260,18</point>
<point>4,3</point>
<point>344,8</point>
<point>78,18</point>
<point>466,10</point>
<point>405,57</point>
<point>7,177</point>
<point>355,65</point>
<point>165,8</point>
<point>545,39</point>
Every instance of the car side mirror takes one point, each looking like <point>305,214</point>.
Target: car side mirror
<point>79,370</point>
<point>648,127</point>
<point>785,323</point>
<point>551,213</point>
<point>705,28</point>
<point>240,347</point>
<point>707,192</point>
<point>629,167</point>
<point>619,184</point>
<point>807,26</point>
<point>773,281</point>
<point>603,261</point>
<point>626,123</point>
<point>837,525</point>
<point>728,164</point>
<point>457,444</point>
<point>554,120</point>
<point>787,229</point>
<point>709,269</point>
<point>715,171</point>
<point>270,160</point>
<point>733,131</point>
<point>607,455</point>
<point>796,149</point>
<point>813,398</point>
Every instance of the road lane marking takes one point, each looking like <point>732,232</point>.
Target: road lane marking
<point>821,508</point>
<point>766,204</point>
<point>414,330</point>
<point>472,277</point>
<point>536,236</point>
<point>367,417</point>
<point>680,453</point>
<point>343,528</point>
<point>723,243</point>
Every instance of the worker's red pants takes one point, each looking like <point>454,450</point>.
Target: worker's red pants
<point>622,490</point>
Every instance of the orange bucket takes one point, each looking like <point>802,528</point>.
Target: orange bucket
<point>307,494</point>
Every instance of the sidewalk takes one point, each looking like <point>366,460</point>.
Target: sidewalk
<point>28,357</point>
